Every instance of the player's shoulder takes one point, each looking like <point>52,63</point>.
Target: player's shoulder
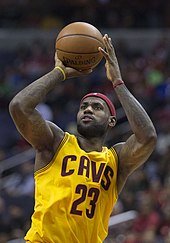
<point>117,147</point>
<point>58,133</point>
<point>115,150</point>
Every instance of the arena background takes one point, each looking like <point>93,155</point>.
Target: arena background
<point>140,31</point>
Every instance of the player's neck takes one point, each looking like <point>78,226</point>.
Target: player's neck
<point>90,144</point>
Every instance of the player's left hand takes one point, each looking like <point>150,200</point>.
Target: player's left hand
<point>112,66</point>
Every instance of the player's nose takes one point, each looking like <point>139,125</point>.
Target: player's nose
<point>88,109</point>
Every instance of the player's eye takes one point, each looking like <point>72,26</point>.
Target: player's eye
<point>82,107</point>
<point>97,107</point>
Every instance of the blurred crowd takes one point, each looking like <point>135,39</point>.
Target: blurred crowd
<point>103,13</point>
<point>147,191</point>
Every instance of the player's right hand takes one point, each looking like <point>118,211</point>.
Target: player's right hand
<point>70,72</point>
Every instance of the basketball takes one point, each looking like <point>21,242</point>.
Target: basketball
<point>77,46</point>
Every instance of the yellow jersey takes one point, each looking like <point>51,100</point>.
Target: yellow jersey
<point>74,195</point>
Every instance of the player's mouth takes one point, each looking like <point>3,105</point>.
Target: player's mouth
<point>87,118</point>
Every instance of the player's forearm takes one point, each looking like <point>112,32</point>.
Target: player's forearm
<point>33,94</point>
<point>139,120</point>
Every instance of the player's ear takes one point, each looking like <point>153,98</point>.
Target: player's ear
<point>112,121</point>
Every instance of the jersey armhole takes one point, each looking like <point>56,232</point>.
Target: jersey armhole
<point>66,135</point>
<point>115,155</point>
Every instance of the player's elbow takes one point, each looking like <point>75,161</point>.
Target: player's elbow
<point>151,139</point>
<point>15,107</point>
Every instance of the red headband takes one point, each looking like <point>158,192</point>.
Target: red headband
<point>105,98</point>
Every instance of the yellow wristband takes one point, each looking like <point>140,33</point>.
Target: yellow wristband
<point>64,75</point>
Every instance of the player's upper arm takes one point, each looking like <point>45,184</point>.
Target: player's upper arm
<point>131,155</point>
<point>32,127</point>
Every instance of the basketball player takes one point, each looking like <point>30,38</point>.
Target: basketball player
<point>77,179</point>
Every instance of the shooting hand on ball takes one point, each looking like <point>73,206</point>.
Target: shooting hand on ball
<point>112,66</point>
<point>70,72</point>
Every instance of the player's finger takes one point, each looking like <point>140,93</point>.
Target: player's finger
<point>84,72</point>
<point>107,43</point>
<point>105,54</point>
<point>110,42</point>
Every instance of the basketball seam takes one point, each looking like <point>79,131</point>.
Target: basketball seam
<point>80,35</point>
<point>80,53</point>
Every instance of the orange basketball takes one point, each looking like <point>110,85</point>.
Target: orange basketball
<point>77,46</point>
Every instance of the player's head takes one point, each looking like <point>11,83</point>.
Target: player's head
<point>96,115</point>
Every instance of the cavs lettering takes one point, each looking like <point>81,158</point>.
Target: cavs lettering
<point>84,191</point>
<point>84,167</point>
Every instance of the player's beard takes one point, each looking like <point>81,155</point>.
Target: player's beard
<point>91,131</point>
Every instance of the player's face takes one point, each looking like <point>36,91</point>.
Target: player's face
<point>93,117</point>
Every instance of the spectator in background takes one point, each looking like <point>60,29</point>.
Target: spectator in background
<point>149,218</point>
